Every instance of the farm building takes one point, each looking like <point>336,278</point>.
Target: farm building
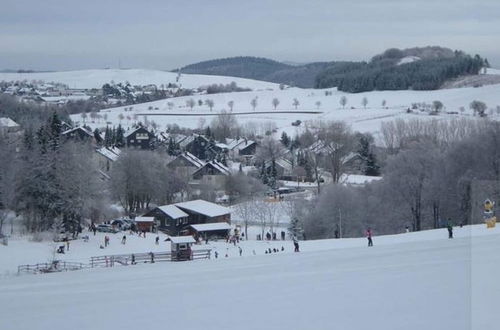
<point>175,219</point>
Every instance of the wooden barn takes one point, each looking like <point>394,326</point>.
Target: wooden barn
<point>211,230</point>
<point>175,219</point>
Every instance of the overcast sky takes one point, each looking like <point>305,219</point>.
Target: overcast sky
<point>166,34</point>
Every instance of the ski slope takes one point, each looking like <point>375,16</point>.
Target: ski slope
<point>87,79</point>
<point>408,281</point>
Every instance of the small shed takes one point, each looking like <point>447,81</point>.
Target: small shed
<point>145,223</point>
<point>181,247</point>
<point>211,230</point>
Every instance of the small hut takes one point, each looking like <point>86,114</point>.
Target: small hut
<point>181,247</point>
<point>145,223</point>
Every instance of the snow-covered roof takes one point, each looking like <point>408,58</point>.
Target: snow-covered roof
<point>144,219</point>
<point>238,144</point>
<point>110,153</point>
<point>130,132</point>
<point>211,226</point>
<point>7,122</point>
<point>203,207</point>
<point>192,159</point>
<point>182,239</point>
<point>173,211</point>
<point>78,128</point>
<point>356,179</point>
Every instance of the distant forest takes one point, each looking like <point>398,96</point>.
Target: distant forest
<point>426,68</point>
<point>260,69</point>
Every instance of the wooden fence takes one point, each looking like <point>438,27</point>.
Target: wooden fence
<point>55,266</point>
<point>112,260</point>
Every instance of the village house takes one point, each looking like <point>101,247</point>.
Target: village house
<point>80,134</point>
<point>105,157</point>
<point>239,149</point>
<point>213,173</point>
<point>140,138</point>
<point>186,164</point>
<point>201,147</point>
<point>176,219</point>
<point>284,168</point>
<point>7,125</point>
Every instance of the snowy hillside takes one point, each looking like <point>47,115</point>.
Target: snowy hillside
<point>364,120</point>
<point>410,281</point>
<point>88,79</point>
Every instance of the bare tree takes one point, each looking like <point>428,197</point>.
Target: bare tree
<point>295,103</point>
<point>210,104</point>
<point>384,103</point>
<point>254,103</point>
<point>343,101</point>
<point>230,104</point>
<point>437,106</point>
<point>224,125</point>
<point>478,107</point>
<point>275,102</point>
<point>318,104</point>
<point>364,102</point>
<point>190,103</point>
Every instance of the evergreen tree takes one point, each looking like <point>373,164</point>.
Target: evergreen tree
<point>285,140</point>
<point>120,137</point>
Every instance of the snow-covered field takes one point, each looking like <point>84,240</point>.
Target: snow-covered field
<point>361,119</point>
<point>88,79</point>
<point>408,281</point>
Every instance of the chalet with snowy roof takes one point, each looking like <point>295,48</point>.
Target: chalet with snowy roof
<point>7,125</point>
<point>140,138</point>
<point>213,173</point>
<point>284,167</point>
<point>176,219</point>
<point>186,164</point>
<point>79,134</point>
<point>202,147</point>
<point>106,156</point>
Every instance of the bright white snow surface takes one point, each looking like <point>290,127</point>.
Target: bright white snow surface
<point>174,110</point>
<point>407,281</point>
<point>88,79</point>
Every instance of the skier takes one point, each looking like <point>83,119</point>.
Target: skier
<point>369,236</point>
<point>124,239</point>
<point>240,249</point>
<point>296,243</point>
<point>450,228</point>
<point>94,228</point>
<point>106,241</point>
<point>216,254</point>
<point>157,240</point>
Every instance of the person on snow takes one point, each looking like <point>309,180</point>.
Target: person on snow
<point>369,236</point>
<point>106,241</point>
<point>283,235</point>
<point>157,240</point>
<point>449,226</point>
<point>296,243</point>
<point>124,239</point>
<point>240,249</point>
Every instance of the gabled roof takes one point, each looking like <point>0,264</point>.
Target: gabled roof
<point>79,128</point>
<point>173,211</point>
<point>127,134</point>
<point>216,165</point>
<point>238,144</point>
<point>195,161</point>
<point>282,162</point>
<point>203,207</point>
<point>110,153</point>
<point>7,122</point>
